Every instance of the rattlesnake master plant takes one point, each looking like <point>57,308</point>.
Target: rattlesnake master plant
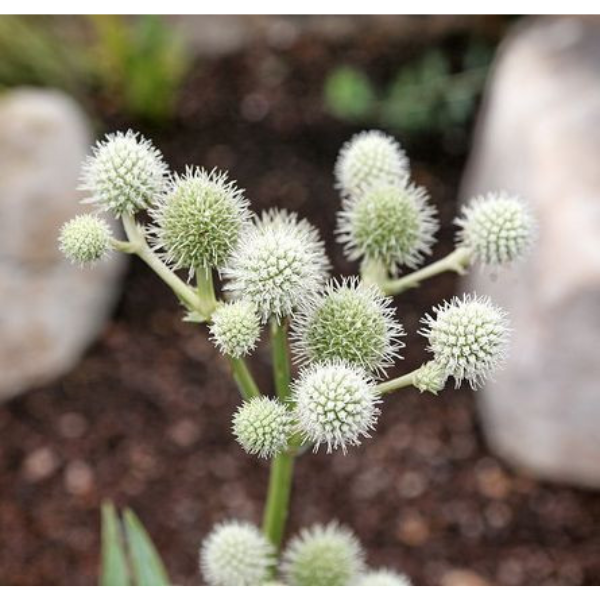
<point>344,332</point>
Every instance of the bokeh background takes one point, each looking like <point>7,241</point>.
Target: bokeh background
<point>106,394</point>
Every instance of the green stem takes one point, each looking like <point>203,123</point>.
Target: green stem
<point>456,261</point>
<point>244,379</point>
<point>282,466</point>
<point>398,383</point>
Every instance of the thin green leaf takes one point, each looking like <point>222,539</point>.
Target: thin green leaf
<point>114,563</point>
<point>148,568</point>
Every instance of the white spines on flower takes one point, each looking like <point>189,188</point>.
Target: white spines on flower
<point>383,577</point>
<point>335,404</point>
<point>85,239</point>
<point>431,378</point>
<point>263,426</point>
<point>200,220</point>
<point>497,228</point>
<point>391,224</point>
<point>125,174</point>
<point>279,262</point>
<point>348,320</point>
<point>370,158</point>
<point>236,554</point>
<point>235,328</point>
<point>329,555</point>
<point>468,338</point>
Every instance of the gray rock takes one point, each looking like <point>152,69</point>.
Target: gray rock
<point>50,311</point>
<point>538,137</point>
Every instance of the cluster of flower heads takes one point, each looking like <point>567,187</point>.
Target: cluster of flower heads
<point>237,553</point>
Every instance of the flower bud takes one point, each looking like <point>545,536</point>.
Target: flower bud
<point>431,378</point>
<point>236,553</point>
<point>235,328</point>
<point>85,239</point>
<point>323,555</point>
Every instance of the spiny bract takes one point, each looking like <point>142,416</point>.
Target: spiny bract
<point>279,262</point>
<point>327,555</point>
<point>497,228</point>
<point>85,239</point>
<point>335,404</point>
<point>370,158</point>
<point>393,224</point>
<point>468,338</point>
<point>200,220</point>
<point>236,553</point>
<point>431,378</point>
<point>235,328</point>
<point>351,321</point>
<point>262,426</point>
<point>125,174</point>
<point>383,577</point>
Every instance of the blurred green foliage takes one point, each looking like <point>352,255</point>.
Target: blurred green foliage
<point>136,65</point>
<point>425,96</point>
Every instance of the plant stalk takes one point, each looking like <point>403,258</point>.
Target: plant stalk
<point>398,383</point>
<point>206,290</point>
<point>243,378</point>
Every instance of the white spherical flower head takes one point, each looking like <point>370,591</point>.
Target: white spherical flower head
<point>236,553</point>
<point>497,228</point>
<point>125,174</point>
<point>200,220</point>
<point>468,338</point>
<point>279,261</point>
<point>336,405</point>
<point>370,158</point>
<point>263,426</point>
<point>393,224</point>
<point>235,328</point>
<point>383,577</point>
<point>351,321</point>
<point>323,555</point>
<point>85,239</point>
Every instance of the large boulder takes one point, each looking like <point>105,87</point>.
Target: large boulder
<point>538,137</point>
<point>50,311</point>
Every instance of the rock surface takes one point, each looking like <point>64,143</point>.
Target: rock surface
<point>538,137</point>
<point>49,310</point>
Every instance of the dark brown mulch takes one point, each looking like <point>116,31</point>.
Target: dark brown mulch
<point>145,418</point>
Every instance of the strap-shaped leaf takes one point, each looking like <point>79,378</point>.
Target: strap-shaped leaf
<point>148,568</point>
<point>114,569</point>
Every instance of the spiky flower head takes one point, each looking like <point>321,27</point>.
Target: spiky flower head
<point>335,404</point>
<point>200,220</point>
<point>279,261</point>
<point>124,174</point>
<point>235,328</point>
<point>431,377</point>
<point>85,239</point>
<point>383,577</point>
<point>497,228</point>
<point>370,158</point>
<point>236,553</point>
<point>329,555</point>
<point>394,224</point>
<point>468,338</point>
<point>262,426</point>
<point>348,320</point>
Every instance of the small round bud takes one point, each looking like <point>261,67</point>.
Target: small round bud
<point>370,158</point>
<point>393,224</point>
<point>351,321</point>
<point>323,555</point>
<point>200,220</point>
<point>236,553</point>
<point>235,328</point>
<point>431,378</point>
<point>263,426</point>
<point>468,338</point>
<point>279,262</point>
<point>336,405</point>
<point>383,577</point>
<point>497,228</point>
<point>85,239</point>
<point>125,174</point>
